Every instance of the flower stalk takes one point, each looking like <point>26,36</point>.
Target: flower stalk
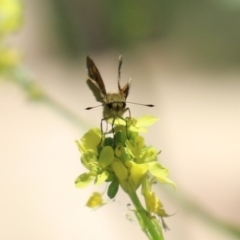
<point>148,223</point>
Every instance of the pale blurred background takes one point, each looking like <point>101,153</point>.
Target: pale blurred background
<point>183,56</point>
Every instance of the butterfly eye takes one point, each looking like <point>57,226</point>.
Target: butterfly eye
<point>110,105</point>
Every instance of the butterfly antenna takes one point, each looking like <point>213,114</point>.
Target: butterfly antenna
<point>119,71</point>
<point>146,105</point>
<point>89,108</point>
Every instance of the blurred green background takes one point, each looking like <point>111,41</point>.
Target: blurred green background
<point>184,58</point>
<point>206,31</point>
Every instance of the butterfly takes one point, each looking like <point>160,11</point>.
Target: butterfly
<point>114,104</point>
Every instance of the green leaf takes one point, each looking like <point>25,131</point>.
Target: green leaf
<point>106,157</point>
<point>84,180</point>
<point>113,188</point>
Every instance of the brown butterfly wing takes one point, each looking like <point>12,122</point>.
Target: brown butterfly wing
<point>95,80</point>
<point>95,90</point>
<point>125,90</point>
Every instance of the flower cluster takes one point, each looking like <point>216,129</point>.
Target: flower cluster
<point>122,160</point>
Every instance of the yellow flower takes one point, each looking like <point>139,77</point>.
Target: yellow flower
<point>10,16</point>
<point>124,159</point>
<point>95,201</point>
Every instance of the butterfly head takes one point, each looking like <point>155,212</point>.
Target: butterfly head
<point>115,105</point>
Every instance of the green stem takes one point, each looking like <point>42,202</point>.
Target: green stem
<point>149,224</point>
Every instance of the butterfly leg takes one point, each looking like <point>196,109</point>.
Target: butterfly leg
<point>101,126</point>
<point>129,114</point>
<point>113,131</point>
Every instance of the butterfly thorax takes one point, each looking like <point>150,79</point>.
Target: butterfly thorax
<point>114,106</point>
